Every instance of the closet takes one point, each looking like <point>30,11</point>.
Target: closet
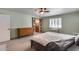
<point>4,28</point>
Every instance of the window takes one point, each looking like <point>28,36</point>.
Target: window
<point>55,23</point>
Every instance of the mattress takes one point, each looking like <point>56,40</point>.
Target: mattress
<point>63,40</point>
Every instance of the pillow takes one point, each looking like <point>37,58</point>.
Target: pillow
<point>77,40</point>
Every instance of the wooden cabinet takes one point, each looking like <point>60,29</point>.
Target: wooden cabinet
<point>24,32</point>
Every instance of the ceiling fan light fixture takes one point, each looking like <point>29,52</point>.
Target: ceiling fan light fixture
<point>41,13</point>
<point>41,10</point>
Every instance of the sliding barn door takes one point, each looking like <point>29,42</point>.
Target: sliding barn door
<point>4,28</point>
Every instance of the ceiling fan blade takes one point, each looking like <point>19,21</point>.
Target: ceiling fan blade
<point>46,11</point>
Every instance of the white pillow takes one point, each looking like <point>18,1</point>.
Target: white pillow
<point>76,38</point>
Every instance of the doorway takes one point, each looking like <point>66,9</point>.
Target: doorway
<point>37,25</point>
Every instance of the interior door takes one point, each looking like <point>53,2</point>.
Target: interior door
<point>4,28</point>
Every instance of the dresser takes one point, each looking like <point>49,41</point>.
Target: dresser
<point>21,32</point>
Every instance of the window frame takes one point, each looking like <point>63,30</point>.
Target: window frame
<point>55,23</point>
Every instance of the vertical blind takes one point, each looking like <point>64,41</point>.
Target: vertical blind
<point>55,23</point>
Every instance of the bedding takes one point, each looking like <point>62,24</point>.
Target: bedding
<point>63,40</point>
<point>36,46</point>
<point>52,46</point>
<point>77,40</point>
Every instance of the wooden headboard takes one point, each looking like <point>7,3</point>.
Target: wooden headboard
<point>24,31</point>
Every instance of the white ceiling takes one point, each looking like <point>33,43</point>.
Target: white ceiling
<point>53,11</point>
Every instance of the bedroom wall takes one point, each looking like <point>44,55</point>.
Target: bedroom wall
<point>17,20</point>
<point>70,23</point>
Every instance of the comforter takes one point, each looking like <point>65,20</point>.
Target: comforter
<point>61,39</point>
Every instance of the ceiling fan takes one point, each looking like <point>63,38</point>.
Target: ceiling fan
<point>42,10</point>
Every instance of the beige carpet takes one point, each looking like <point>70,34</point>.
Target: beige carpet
<point>22,44</point>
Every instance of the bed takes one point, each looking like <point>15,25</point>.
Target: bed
<point>63,40</point>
